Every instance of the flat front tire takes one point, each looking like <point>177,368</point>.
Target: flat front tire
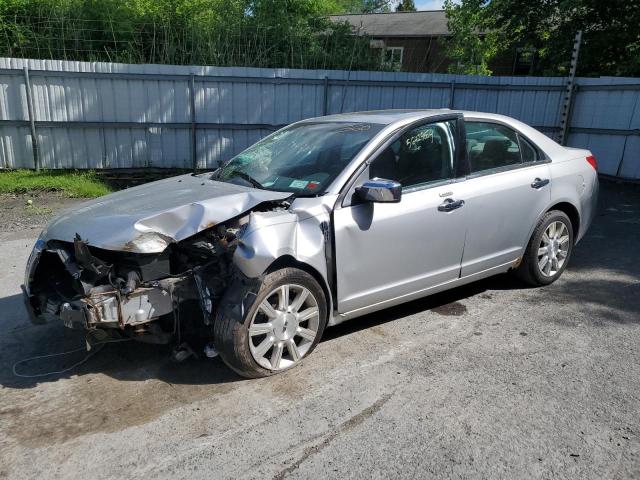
<point>283,325</point>
<point>548,251</point>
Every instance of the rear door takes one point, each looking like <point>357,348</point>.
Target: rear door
<point>385,251</point>
<point>506,191</point>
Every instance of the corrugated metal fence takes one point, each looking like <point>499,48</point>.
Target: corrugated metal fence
<point>101,115</point>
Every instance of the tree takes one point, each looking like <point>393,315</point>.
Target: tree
<point>257,33</point>
<point>364,6</point>
<point>471,46</point>
<point>406,6</point>
<point>611,44</point>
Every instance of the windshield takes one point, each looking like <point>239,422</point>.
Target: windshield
<point>303,159</point>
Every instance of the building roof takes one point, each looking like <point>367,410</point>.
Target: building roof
<point>398,24</point>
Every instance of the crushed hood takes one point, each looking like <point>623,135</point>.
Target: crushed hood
<point>147,218</point>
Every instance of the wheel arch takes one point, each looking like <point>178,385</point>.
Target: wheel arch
<point>288,261</point>
<point>571,211</point>
<point>566,207</point>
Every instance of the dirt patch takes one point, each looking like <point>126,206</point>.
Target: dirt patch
<point>454,309</point>
<point>33,211</point>
<point>107,402</point>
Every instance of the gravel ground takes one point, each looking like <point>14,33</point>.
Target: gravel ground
<point>491,380</point>
<point>18,215</point>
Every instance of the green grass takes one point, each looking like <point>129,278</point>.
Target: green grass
<point>35,210</point>
<point>84,184</point>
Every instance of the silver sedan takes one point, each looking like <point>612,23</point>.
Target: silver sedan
<point>323,221</point>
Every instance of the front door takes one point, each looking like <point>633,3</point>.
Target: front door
<point>385,251</point>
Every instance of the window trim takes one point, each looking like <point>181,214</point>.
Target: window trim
<point>460,166</point>
<point>543,157</point>
<point>532,145</point>
<point>506,168</point>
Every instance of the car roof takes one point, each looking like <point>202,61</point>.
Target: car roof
<point>388,117</point>
<point>382,117</point>
<point>398,118</point>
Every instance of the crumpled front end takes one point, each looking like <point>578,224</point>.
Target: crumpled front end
<point>150,217</point>
<point>154,294</point>
<point>146,296</point>
<point>148,262</point>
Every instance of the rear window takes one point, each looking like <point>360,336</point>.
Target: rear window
<point>491,145</point>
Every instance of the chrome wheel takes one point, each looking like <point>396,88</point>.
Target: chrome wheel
<point>553,249</point>
<point>284,327</point>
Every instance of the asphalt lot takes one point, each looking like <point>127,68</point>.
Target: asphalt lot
<point>492,380</point>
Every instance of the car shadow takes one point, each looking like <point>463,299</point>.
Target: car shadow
<point>444,303</point>
<point>135,361</point>
<point>604,276</point>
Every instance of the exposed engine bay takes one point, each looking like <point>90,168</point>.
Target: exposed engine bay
<point>151,297</point>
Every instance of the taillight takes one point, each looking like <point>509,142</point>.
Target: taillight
<point>593,162</point>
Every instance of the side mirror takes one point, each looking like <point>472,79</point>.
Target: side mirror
<point>379,190</point>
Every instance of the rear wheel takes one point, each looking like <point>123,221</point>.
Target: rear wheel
<point>283,325</point>
<point>549,250</point>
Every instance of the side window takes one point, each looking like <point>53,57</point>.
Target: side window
<point>491,145</point>
<point>422,155</point>
<point>529,153</point>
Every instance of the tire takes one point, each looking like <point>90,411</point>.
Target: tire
<point>241,341</point>
<point>530,270</point>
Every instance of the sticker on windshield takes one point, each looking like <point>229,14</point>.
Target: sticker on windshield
<point>313,185</point>
<point>298,184</point>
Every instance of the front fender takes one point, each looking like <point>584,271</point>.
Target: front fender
<point>272,235</point>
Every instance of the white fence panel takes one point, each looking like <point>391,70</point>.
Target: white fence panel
<point>103,115</point>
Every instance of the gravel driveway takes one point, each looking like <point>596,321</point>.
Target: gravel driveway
<point>490,380</point>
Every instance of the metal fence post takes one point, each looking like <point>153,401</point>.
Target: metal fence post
<point>192,99</point>
<point>452,94</point>
<point>565,112</point>
<point>325,95</point>
<point>32,121</point>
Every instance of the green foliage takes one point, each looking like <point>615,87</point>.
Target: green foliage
<point>72,184</point>
<point>365,6</point>
<point>471,46</point>
<point>611,39</point>
<point>406,6</point>
<point>257,33</point>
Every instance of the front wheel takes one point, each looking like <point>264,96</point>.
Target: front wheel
<point>549,250</point>
<point>283,325</point>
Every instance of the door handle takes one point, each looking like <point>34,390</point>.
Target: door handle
<point>539,183</point>
<point>450,204</point>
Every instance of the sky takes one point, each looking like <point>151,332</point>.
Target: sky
<point>429,4</point>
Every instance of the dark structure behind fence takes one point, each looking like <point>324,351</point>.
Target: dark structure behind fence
<point>59,114</point>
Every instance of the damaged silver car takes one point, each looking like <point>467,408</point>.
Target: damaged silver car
<point>323,221</point>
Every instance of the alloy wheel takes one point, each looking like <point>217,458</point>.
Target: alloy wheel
<point>553,249</point>
<point>284,327</point>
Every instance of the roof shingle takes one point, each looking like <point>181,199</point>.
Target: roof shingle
<point>398,24</point>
